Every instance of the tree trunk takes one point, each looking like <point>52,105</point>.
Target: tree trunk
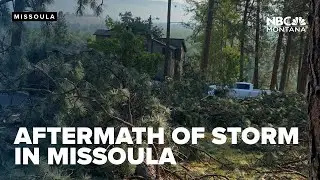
<point>207,39</point>
<point>256,60</point>
<point>16,37</point>
<point>314,91</point>
<point>274,76</point>
<point>167,61</point>
<point>286,63</point>
<point>242,39</point>
<point>301,42</point>
<point>303,72</point>
<point>275,68</point>
<point>289,71</point>
<point>148,172</point>
<point>16,34</point>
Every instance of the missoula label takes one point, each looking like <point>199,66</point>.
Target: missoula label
<point>34,16</point>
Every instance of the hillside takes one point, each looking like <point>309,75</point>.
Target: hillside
<point>143,8</point>
<point>89,24</point>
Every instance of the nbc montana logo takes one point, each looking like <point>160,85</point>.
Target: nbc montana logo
<point>287,24</point>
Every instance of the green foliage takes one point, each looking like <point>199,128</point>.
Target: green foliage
<point>137,25</point>
<point>110,85</point>
<point>229,70</point>
<point>56,33</point>
<point>95,5</point>
<point>224,55</point>
<point>277,110</point>
<point>60,29</point>
<point>191,107</point>
<point>89,89</point>
<point>129,50</point>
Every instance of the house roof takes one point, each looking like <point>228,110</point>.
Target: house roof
<point>163,44</point>
<point>103,32</point>
<point>176,42</point>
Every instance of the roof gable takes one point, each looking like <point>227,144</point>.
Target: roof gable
<point>163,44</point>
<point>103,32</point>
<point>177,43</point>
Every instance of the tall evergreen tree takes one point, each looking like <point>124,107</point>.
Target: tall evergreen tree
<point>242,38</point>
<point>287,58</point>
<point>257,46</point>
<point>207,39</point>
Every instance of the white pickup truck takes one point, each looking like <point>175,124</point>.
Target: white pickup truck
<point>243,90</point>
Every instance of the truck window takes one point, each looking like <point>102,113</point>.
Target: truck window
<point>243,86</point>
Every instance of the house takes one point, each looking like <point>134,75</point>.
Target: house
<point>177,52</point>
<point>102,33</point>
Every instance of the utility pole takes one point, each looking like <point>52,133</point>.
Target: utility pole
<point>167,51</point>
<point>150,35</point>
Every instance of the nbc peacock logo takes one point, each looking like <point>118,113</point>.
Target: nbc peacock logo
<point>286,24</point>
<point>298,21</point>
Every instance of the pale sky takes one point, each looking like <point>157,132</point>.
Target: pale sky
<point>177,1</point>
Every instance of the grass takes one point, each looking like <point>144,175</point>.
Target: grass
<point>235,163</point>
